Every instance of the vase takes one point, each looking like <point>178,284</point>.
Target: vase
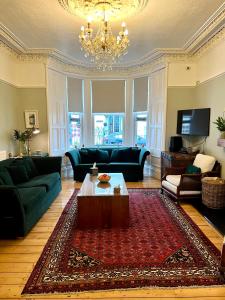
<point>23,149</point>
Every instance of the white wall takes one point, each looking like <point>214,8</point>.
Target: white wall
<point>21,71</point>
<point>182,74</point>
<point>7,66</point>
<point>211,62</point>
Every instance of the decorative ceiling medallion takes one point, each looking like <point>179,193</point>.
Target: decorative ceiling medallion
<point>113,9</point>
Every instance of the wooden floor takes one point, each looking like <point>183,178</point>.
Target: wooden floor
<point>18,257</point>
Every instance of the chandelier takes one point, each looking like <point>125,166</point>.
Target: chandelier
<point>104,48</point>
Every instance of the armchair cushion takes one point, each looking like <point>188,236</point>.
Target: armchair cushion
<point>204,162</point>
<point>173,179</point>
<point>171,187</point>
<point>191,169</point>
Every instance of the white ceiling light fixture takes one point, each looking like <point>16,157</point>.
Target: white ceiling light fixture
<point>104,48</point>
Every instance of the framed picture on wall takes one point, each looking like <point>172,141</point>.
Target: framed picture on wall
<point>31,119</point>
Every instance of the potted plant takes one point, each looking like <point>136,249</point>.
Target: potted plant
<point>23,138</point>
<point>220,125</point>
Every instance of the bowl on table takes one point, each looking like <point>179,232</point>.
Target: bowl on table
<point>104,178</point>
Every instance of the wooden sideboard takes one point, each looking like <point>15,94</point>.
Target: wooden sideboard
<point>175,159</point>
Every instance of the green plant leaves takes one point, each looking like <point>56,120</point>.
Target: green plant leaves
<point>220,123</point>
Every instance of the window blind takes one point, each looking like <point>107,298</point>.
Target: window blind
<point>108,96</point>
<point>75,95</point>
<point>140,94</point>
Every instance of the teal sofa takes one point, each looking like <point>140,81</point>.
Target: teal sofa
<point>27,188</point>
<point>127,160</point>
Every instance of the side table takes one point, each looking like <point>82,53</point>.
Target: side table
<point>213,192</point>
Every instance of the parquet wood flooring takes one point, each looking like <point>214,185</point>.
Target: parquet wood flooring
<point>18,257</point>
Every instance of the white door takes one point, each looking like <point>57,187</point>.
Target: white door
<point>57,112</point>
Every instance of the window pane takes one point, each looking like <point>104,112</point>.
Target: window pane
<point>141,125</point>
<point>74,129</point>
<point>108,129</point>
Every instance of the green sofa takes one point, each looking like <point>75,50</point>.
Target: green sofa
<point>127,160</point>
<point>27,188</point>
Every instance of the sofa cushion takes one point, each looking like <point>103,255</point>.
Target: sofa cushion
<point>47,181</point>
<point>30,197</point>
<point>204,162</point>
<point>130,155</point>
<point>28,163</point>
<point>125,155</point>
<point>191,169</point>
<point>1,181</point>
<point>18,174</point>
<point>123,167</point>
<point>88,156</point>
<point>5,176</point>
<point>102,156</point>
<point>31,168</point>
<point>173,179</point>
<point>115,155</point>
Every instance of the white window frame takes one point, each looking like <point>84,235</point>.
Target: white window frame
<point>81,128</point>
<point>135,125</point>
<point>93,128</point>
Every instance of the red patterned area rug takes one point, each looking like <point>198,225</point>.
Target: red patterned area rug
<point>161,248</point>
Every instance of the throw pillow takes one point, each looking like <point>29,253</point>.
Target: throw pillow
<point>102,156</point>
<point>30,166</point>
<point>18,174</point>
<point>134,155</point>
<point>88,156</point>
<point>5,177</point>
<point>115,155</point>
<point>192,170</point>
<point>84,156</point>
<point>205,162</point>
<point>125,155</point>
<point>28,163</point>
<point>92,153</point>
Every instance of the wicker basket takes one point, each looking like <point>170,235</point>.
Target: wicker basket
<point>213,192</point>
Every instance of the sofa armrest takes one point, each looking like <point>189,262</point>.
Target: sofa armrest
<point>74,157</point>
<point>47,165</point>
<point>12,215</point>
<point>143,154</point>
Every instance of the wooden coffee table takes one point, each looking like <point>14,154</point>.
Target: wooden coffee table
<point>99,206</point>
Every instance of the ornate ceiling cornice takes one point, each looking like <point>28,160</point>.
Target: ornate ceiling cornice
<point>209,29</point>
<point>208,35</point>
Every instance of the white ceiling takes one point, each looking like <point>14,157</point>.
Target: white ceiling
<point>162,24</point>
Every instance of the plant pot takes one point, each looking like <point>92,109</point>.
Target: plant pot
<point>222,134</point>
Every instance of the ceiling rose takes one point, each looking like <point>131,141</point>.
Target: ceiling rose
<point>113,9</point>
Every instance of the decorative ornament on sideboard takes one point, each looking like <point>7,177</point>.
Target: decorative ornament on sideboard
<point>24,138</point>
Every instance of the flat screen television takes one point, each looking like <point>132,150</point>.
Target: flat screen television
<point>193,122</point>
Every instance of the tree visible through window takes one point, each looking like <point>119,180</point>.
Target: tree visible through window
<point>108,129</point>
